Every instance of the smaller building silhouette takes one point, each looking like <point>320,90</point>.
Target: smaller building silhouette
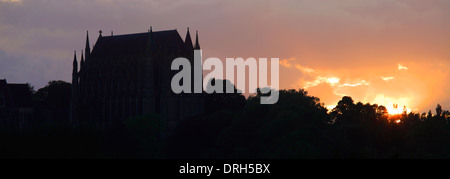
<point>16,105</point>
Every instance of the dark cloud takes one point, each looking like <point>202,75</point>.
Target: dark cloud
<point>37,71</point>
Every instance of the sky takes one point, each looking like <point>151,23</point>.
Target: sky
<point>376,51</point>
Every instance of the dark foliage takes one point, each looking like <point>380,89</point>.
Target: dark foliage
<point>55,95</point>
<point>223,101</point>
<point>297,126</point>
<point>51,103</point>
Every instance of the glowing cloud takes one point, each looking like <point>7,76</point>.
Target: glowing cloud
<point>304,69</point>
<point>333,80</point>
<point>12,1</point>
<point>319,80</point>
<point>387,78</point>
<point>286,62</point>
<point>401,67</point>
<point>363,82</point>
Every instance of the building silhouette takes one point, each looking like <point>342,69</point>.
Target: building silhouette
<point>129,75</point>
<point>16,105</point>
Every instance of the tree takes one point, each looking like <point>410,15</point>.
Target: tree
<point>446,115</point>
<point>55,95</point>
<point>344,112</point>
<point>429,115</point>
<point>423,116</point>
<point>438,110</point>
<point>291,128</point>
<point>345,104</point>
<point>52,102</point>
<point>381,112</point>
<point>224,101</point>
<point>31,88</point>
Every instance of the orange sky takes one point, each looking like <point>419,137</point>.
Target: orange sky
<point>414,84</point>
<point>377,51</point>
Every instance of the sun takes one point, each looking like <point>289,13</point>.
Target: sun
<point>394,109</point>
<point>394,106</point>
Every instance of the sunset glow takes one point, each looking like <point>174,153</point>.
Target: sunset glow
<point>385,86</point>
<point>394,106</point>
<point>394,110</point>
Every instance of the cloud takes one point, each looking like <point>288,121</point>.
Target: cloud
<point>387,78</point>
<point>401,67</point>
<point>11,1</point>
<point>363,82</point>
<point>332,81</point>
<point>286,62</point>
<point>304,69</point>
<point>18,69</point>
<point>326,93</point>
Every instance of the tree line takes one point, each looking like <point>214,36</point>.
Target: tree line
<point>297,126</point>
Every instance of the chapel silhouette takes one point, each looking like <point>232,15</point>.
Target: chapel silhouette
<point>129,75</point>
